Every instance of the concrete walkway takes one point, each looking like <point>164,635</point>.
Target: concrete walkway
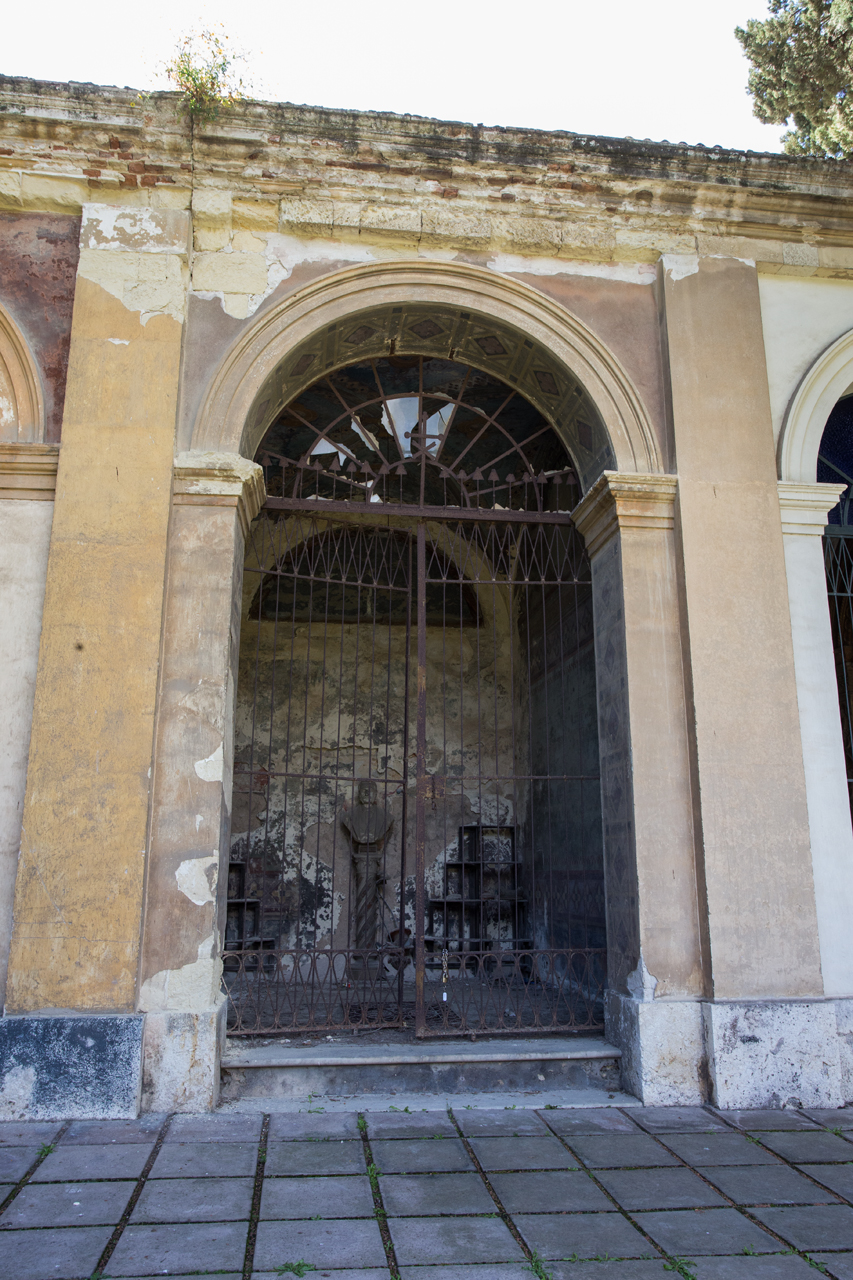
<point>494,1194</point>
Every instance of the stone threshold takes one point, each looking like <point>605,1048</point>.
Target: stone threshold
<point>423,1053</point>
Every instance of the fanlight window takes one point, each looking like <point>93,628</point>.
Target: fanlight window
<point>417,431</point>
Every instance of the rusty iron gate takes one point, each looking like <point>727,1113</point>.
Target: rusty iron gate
<point>416,832</point>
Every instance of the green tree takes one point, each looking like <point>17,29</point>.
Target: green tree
<point>205,69</point>
<point>802,73</point>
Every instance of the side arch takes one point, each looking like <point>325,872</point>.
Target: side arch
<point>21,399</point>
<point>823,385</point>
<point>247,390</point>
<point>804,505</point>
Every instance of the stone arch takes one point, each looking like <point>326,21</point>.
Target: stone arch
<point>825,382</point>
<point>445,309</point>
<point>21,399</point>
<point>804,504</point>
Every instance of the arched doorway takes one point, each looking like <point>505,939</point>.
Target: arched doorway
<point>416,822</point>
<point>835,466</point>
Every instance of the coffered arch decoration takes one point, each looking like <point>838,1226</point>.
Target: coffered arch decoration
<point>21,400</point>
<point>449,311</point>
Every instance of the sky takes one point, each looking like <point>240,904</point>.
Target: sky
<point>660,69</point>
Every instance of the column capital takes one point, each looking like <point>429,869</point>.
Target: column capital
<point>28,470</point>
<point>804,507</point>
<point>622,500</point>
<point>219,480</point>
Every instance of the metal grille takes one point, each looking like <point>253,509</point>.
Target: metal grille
<point>838,558</point>
<point>416,830</point>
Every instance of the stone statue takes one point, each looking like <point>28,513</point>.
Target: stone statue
<point>368,824</point>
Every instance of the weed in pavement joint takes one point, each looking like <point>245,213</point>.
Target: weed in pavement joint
<point>681,1266</point>
<point>537,1266</point>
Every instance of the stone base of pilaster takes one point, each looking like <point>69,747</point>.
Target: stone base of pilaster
<point>181,1059</point>
<point>70,1066</point>
<point>734,1053</point>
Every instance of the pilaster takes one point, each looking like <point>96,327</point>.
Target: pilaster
<point>215,498</point>
<point>654,908</point>
<point>804,509</point>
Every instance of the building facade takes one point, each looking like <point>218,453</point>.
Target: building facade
<point>414,582</point>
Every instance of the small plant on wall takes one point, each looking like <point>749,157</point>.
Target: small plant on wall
<point>205,67</point>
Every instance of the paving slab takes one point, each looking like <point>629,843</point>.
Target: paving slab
<point>187,1248</point>
<point>205,1160</point>
<point>832,1118</point>
<point>659,1189</point>
<point>627,1270</point>
<point>549,1191</point>
<point>492,1271</point>
<point>679,1120</point>
<point>215,1128</point>
<point>452,1241</point>
<point>360,1273</point>
<point>838,1177</point>
<point>195,1200</point>
<point>588,1120</point>
<point>718,1148</point>
<point>314,1159</point>
<point>586,1235</point>
<point>93,1162</point>
<point>767,1184</point>
<point>28,1133</point>
<point>334,1243</point>
<point>809,1148</point>
<point>523,1153</point>
<point>15,1161</point>
<point>290,1126</point>
<point>684,1233</point>
<point>317,1197</point>
<point>500,1123</point>
<point>622,1151</point>
<point>443,1155</point>
<point>776,1266</point>
<point>770,1120</point>
<point>70,1252</point>
<point>825,1226</point>
<point>99,1132</point>
<point>423,1194</point>
<point>423,1124</point>
<point>68,1204</point>
<point>839,1265</point>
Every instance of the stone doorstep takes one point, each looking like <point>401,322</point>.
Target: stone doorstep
<point>422,1070</point>
<point>426,1053</point>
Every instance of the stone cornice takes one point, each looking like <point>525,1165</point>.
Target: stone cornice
<point>619,501</point>
<point>219,480</point>
<point>804,507</point>
<point>28,471</point>
<point>414,181</point>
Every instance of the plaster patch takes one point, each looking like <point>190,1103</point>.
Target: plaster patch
<point>16,1093</point>
<point>195,881</point>
<point>211,768</point>
<point>141,230</point>
<point>680,265</point>
<point>152,284</point>
<point>627,273</point>
<point>192,988</point>
<point>119,342</point>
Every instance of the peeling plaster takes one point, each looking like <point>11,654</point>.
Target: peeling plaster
<point>16,1093</point>
<point>627,273</point>
<point>197,878</point>
<point>680,265</point>
<point>641,983</point>
<point>191,988</point>
<point>211,768</point>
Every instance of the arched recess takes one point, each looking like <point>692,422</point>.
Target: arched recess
<point>804,505</point>
<point>447,310</point>
<point>21,400</point>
